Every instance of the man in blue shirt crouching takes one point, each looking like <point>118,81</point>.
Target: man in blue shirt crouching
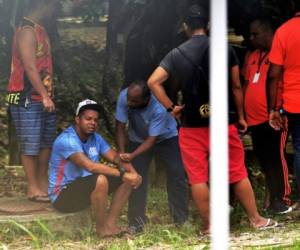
<point>77,179</point>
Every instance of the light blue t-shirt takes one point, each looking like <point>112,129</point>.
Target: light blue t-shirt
<point>61,170</point>
<point>153,120</point>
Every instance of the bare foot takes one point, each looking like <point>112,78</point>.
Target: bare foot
<point>34,191</point>
<point>204,232</point>
<point>107,231</point>
<point>263,223</point>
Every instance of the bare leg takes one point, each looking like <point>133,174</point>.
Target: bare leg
<point>99,203</point>
<point>117,204</point>
<point>200,194</point>
<point>42,169</point>
<point>245,195</point>
<point>29,163</point>
<point>267,197</point>
<point>107,225</point>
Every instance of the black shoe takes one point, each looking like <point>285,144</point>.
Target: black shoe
<point>278,207</point>
<point>137,224</point>
<point>135,229</point>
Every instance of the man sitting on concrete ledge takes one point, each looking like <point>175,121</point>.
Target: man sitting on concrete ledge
<point>77,179</point>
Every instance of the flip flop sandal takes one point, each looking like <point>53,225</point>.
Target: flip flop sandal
<point>269,225</point>
<point>39,198</point>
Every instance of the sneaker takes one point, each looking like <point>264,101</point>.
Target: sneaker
<point>278,207</point>
<point>135,230</point>
<point>296,206</point>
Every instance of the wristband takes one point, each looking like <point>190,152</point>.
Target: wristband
<point>122,172</point>
<point>170,109</point>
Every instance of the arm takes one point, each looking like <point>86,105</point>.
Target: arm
<point>157,124</point>
<point>26,43</point>
<point>120,136</point>
<point>145,146</point>
<point>155,83</point>
<point>112,156</point>
<point>274,77</point>
<point>238,97</point>
<point>131,176</point>
<point>81,160</point>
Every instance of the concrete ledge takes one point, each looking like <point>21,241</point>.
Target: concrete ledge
<point>54,220</point>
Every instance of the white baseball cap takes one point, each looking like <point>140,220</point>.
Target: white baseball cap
<point>87,104</point>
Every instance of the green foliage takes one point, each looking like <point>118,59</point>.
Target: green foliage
<point>45,229</point>
<point>91,11</point>
<point>27,231</point>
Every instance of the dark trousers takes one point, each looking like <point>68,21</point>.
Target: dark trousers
<point>294,128</point>
<point>268,146</point>
<point>168,151</point>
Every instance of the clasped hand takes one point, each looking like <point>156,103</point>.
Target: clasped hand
<point>132,178</point>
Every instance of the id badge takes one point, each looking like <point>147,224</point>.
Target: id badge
<point>256,77</point>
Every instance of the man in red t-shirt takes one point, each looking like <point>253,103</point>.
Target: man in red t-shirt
<point>285,66</point>
<point>194,138</point>
<point>268,144</point>
<point>30,95</point>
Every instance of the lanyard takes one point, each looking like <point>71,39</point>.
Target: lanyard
<point>260,60</point>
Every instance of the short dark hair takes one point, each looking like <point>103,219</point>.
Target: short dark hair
<point>196,17</point>
<point>146,92</point>
<point>267,22</point>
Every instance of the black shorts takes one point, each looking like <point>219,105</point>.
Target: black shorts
<point>76,195</point>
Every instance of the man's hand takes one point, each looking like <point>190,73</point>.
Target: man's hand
<point>134,179</point>
<point>275,120</point>
<point>48,104</point>
<point>127,157</point>
<point>177,111</point>
<point>242,125</point>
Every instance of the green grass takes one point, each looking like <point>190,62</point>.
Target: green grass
<point>159,234</point>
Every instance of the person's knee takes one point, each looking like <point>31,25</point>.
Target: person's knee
<point>200,191</point>
<point>102,183</point>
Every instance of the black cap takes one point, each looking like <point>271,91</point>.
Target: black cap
<point>197,12</point>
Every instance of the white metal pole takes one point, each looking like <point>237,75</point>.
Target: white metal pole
<point>219,126</point>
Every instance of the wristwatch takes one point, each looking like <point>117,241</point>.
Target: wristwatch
<point>122,172</point>
<point>170,109</point>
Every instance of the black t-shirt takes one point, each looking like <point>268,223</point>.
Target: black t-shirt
<point>181,66</point>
